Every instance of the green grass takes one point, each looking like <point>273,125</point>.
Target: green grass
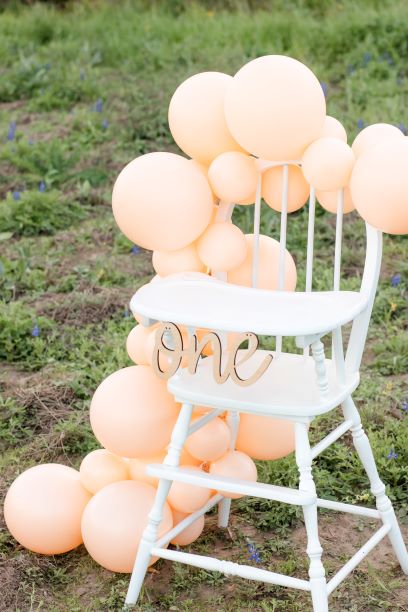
<point>88,88</point>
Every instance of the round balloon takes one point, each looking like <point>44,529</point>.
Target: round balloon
<point>327,164</point>
<point>328,199</point>
<point>268,270</point>
<point>136,344</point>
<point>210,441</point>
<point>222,247</point>
<point>275,107</point>
<point>233,176</point>
<point>132,414</point>
<point>379,186</point>
<point>114,520</point>
<point>100,468</point>
<point>196,117</point>
<point>263,437</point>
<point>272,186</point>
<point>137,467</point>
<point>43,508</point>
<point>334,129</point>
<point>234,464</point>
<point>162,202</point>
<point>188,498</point>
<point>373,135</point>
<point>182,260</point>
<point>204,170</point>
<point>190,533</point>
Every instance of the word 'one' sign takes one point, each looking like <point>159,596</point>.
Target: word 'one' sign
<point>169,345</point>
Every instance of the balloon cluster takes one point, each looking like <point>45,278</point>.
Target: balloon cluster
<point>232,128</point>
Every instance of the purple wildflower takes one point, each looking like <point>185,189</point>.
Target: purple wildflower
<point>367,57</point>
<point>35,332</point>
<point>405,406</point>
<point>42,186</point>
<point>105,124</point>
<point>99,106</point>
<point>392,454</point>
<point>325,88</point>
<point>135,250</point>
<point>126,314</point>
<point>254,553</point>
<point>16,195</point>
<point>360,124</point>
<point>395,280</point>
<point>12,131</point>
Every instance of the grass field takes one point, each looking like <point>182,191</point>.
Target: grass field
<point>82,92</point>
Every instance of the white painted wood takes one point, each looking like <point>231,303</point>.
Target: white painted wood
<point>357,558</point>
<point>331,437</point>
<point>310,248</point>
<point>231,569</point>
<point>350,508</point>
<point>338,241</point>
<point>224,507</point>
<point>257,222</point>
<point>206,418</point>
<point>231,485</point>
<point>320,367</point>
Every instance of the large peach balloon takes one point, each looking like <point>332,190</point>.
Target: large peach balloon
<point>196,117</point>
<point>334,129</point>
<point>222,247</point>
<point>263,437</point>
<point>272,185</point>
<point>268,270</point>
<point>234,464</point>
<point>188,498</point>
<point>379,186</point>
<point>190,533</point>
<point>100,468</point>
<point>136,344</point>
<point>327,164</point>
<point>43,508</point>
<point>114,520</point>
<point>204,171</point>
<point>373,135</point>
<point>233,176</point>
<point>328,199</point>
<point>275,107</point>
<point>210,441</point>
<point>132,414</point>
<point>138,467</point>
<point>182,260</point>
<point>162,202</point>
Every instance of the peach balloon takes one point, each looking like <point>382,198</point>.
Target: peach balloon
<point>263,437</point>
<point>132,414</point>
<point>327,164</point>
<point>196,117</point>
<point>379,186</point>
<point>43,508</point>
<point>137,467</point>
<point>100,468</point>
<point>234,464</point>
<point>114,520</point>
<point>136,344</point>
<point>182,260</point>
<point>188,498</point>
<point>328,199</point>
<point>233,176</point>
<point>334,129</point>
<point>373,135</point>
<point>275,107</point>
<point>210,441</point>
<point>268,276</point>
<point>222,247</point>
<point>162,202</point>
<point>204,170</point>
<point>190,533</point>
<point>272,186</point>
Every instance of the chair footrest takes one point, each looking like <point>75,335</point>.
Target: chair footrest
<point>231,485</point>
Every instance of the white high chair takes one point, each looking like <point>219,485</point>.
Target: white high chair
<point>297,387</point>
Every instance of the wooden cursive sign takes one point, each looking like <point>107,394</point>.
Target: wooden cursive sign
<point>169,344</point>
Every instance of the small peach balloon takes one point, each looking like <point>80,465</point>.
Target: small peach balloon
<point>136,344</point>
<point>268,275</point>
<point>132,414</point>
<point>263,437</point>
<point>210,441</point>
<point>373,135</point>
<point>43,508</point>
<point>162,202</point>
<point>191,533</point>
<point>222,247</point>
<point>100,468</point>
<point>275,107</point>
<point>204,170</point>
<point>328,199</point>
<point>379,186</point>
<point>334,129</point>
<point>196,117</point>
<point>114,520</point>
<point>234,464</point>
<point>188,498</point>
<point>327,164</point>
<point>138,467</point>
<point>233,176</point>
<point>272,186</point>
<point>182,260</point>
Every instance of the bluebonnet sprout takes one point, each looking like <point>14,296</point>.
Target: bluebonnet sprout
<point>99,106</point>
<point>135,250</point>
<point>325,88</point>
<point>126,314</point>
<point>395,280</point>
<point>12,131</point>
<point>402,127</point>
<point>392,454</point>
<point>405,405</point>
<point>42,186</point>
<point>16,195</point>
<point>105,124</point>
<point>387,57</point>
<point>254,553</point>
<point>47,66</point>
<point>367,57</point>
<point>35,332</point>
<point>360,124</point>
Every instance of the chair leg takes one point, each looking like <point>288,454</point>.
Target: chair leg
<point>384,505</point>
<point>224,507</point>
<point>318,585</point>
<point>149,536</point>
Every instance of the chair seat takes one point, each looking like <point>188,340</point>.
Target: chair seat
<point>288,388</point>
<point>197,300</point>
